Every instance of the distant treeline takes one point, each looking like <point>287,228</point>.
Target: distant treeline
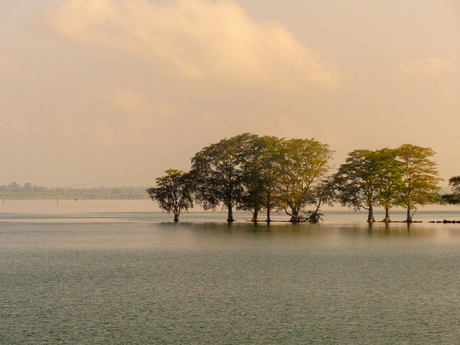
<point>16,191</point>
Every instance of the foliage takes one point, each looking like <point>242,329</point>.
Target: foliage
<point>405,176</point>
<point>303,163</point>
<point>255,173</point>
<point>454,197</point>
<point>312,216</point>
<point>420,178</point>
<point>357,181</point>
<point>389,179</point>
<point>262,175</point>
<point>259,173</point>
<point>323,193</point>
<point>218,173</point>
<point>173,192</point>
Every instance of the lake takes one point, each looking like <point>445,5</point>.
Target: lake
<point>114,272</point>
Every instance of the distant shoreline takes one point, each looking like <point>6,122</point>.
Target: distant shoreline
<point>28,192</point>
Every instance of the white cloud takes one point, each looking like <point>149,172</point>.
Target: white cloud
<point>203,41</point>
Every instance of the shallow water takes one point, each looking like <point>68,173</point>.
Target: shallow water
<point>112,272</point>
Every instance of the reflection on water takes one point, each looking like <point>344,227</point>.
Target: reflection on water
<point>109,273</point>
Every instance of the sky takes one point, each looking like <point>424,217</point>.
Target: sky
<point>114,92</point>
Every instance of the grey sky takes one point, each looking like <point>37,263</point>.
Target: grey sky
<point>114,92</point>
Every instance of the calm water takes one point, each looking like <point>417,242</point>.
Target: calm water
<point>113,272</point>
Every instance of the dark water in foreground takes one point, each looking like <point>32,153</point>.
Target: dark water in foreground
<point>114,275</point>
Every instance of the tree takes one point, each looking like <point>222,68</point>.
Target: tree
<point>453,198</point>
<point>173,192</point>
<point>357,181</point>
<point>323,193</point>
<point>389,179</point>
<point>218,173</point>
<point>420,178</point>
<point>262,173</point>
<point>303,162</point>
<point>252,199</point>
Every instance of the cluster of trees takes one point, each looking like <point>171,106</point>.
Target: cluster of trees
<point>265,173</point>
<point>247,172</point>
<point>404,177</point>
<point>454,197</point>
<point>16,191</point>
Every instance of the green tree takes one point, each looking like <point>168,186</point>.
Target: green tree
<point>173,192</point>
<point>420,178</point>
<point>303,163</point>
<point>389,179</point>
<point>454,197</point>
<point>262,176</point>
<point>218,173</point>
<point>252,199</point>
<point>357,181</point>
<point>323,193</point>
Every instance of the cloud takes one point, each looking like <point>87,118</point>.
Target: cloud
<point>13,69</point>
<point>128,116</point>
<point>428,69</point>
<point>13,124</point>
<point>103,135</point>
<point>199,41</point>
<point>431,74</point>
<point>131,102</point>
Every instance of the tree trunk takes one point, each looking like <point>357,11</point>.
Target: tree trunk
<point>409,215</point>
<point>387,215</point>
<point>255,216</point>
<point>176,216</point>
<point>370,217</point>
<point>295,218</point>
<point>314,215</point>
<point>230,214</point>
<point>268,213</point>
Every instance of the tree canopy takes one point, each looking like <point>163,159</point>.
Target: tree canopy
<point>454,197</point>
<point>218,173</point>
<point>303,163</point>
<point>420,178</point>
<point>357,181</point>
<point>265,173</point>
<point>405,177</point>
<point>255,173</point>
<point>173,192</point>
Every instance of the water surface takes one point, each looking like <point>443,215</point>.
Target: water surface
<point>113,272</point>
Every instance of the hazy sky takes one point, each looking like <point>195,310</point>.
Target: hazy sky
<point>114,92</point>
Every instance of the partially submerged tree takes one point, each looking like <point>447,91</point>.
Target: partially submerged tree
<point>262,176</point>
<point>218,173</point>
<point>323,193</point>
<point>173,192</point>
<point>303,163</point>
<point>255,173</point>
<point>389,179</point>
<point>454,197</point>
<point>357,182</point>
<point>420,178</point>
<point>252,199</point>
